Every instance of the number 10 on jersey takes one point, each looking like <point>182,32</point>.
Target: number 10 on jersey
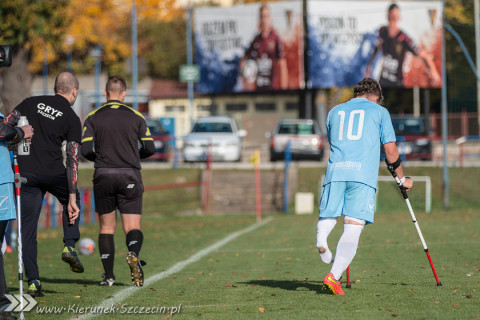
<point>351,121</point>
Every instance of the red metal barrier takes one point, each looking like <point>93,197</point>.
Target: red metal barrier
<point>87,200</point>
<point>208,175</point>
<point>86,204</point>
<point>458,123</point>
<point>47,218</point>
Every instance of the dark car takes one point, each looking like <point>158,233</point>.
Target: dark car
<point>161,138</point>
<point>304,137</point>
<point>413,141</point>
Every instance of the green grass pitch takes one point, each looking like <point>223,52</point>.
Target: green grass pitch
<point>274,271</point>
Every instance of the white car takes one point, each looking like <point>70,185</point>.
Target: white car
<point>220,133</point>
<point>304,137</point>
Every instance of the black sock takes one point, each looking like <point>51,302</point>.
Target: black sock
<point>106,246</point>
<point>70,243</point>
<point>134,241</point>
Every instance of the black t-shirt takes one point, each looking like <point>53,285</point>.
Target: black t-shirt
<point>54,121</point>
<point>116,130</point>
<point>394,52</point>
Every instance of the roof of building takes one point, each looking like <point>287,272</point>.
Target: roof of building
<point>87,82</point>
<point>168,89</point>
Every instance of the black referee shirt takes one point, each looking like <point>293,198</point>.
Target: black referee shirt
<point>54,121</point>
<point>113,132</point>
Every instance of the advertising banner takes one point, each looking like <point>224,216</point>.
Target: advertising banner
<point>249,48</point>
<point>398,44</point>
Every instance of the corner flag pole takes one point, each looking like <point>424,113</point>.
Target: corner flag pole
<point>255,160</point>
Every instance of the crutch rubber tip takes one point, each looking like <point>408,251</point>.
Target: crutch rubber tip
<point>349,286</point>
<point>439,284</point>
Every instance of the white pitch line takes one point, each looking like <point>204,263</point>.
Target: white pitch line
<point>267,250</point>
<point>125,293</point>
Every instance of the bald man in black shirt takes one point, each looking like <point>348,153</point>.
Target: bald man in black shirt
<point>54,122</point>
<point>115,137</point>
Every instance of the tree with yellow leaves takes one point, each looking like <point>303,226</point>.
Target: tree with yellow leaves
<point>39,29</point>
<point>29,27</point>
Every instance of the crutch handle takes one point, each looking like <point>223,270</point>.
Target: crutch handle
<point>403,190</point>
<point>19,180</point>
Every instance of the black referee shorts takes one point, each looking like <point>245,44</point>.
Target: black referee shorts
<point>120,188</point>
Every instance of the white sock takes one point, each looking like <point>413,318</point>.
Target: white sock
<point>324,227</point>
<point>346,249</point>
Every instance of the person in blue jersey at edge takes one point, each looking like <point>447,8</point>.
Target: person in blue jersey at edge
<point>356,129</point>
<point>8,134</point>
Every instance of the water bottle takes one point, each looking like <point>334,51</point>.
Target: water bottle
<point>24,145</point>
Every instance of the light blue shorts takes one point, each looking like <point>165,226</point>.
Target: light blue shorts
<point>7,202</point>
<point>353,199</point>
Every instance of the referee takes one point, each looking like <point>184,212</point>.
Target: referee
<point>54,122</point>
<point>115,137</point>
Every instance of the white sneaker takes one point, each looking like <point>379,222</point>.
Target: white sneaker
<point>107,282</point>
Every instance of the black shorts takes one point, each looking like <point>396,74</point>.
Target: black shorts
<point>120,188</point>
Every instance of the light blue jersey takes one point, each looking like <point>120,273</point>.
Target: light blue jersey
<point>6,173</point>
<point>7,203</point>
<point>355,130</point>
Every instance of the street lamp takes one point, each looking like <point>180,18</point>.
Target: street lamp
<point>97,54</point>
<point>45,71</point>
<point>189,63</point>
<point>69,41</point>
<point>134,55</point>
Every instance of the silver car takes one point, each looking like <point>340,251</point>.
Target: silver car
<point>303,135</point>
<point>220,133</point>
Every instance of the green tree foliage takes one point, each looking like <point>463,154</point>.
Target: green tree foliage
<point>163,46</point>
<point>39,29</point>
<point>31,28</point>
<point>108,23</point>
<point>461,81</point>
<point>103,23</point>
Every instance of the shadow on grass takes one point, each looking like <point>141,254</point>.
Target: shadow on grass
<point>81,281</point>
<point>292,285</point>
<point>16,289</point>
<point>48,290</point>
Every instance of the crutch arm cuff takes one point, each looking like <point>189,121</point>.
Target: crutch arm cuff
<point>393,166</point>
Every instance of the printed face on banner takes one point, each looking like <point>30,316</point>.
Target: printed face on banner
<point>249,48</point>
<point>398,44</point>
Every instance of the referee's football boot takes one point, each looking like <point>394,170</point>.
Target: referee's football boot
<point>136,270</point>
<point>107,281</point>
<point>333,285</point>
<point>69,255</point>
<point>35,289</point>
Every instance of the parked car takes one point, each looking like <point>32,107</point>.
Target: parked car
<point>161,139</point>
<point>413,141</point>
<point>304,136</point>
<point>219,132</point>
